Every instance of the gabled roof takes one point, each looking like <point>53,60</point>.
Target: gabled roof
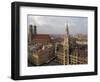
<point>41,36</point>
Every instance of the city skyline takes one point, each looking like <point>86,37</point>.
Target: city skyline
<point>46,48</point>
<point>56,24</point>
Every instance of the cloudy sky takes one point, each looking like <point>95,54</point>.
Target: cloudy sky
<point>57,24</point>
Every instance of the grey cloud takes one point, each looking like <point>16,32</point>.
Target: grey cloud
<point>56,24</point>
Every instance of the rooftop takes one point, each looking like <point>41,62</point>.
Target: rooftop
<point>41,36</point>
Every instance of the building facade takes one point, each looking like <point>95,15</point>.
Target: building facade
<point>71,52</point>
<point>63,52</point>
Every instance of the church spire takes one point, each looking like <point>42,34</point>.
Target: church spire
<point>67,30</point>
<point>66,46</point>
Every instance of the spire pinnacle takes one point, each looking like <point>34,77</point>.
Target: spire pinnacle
<point>67,30</point>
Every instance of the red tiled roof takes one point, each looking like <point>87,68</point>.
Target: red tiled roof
<point>41,36</point>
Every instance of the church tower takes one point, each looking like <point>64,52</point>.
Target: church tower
<point>30,32</point>
<point>35,29</point>
<point>66,46</point>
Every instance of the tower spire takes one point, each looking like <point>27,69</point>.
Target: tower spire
<point>35,29</point>
<point>67,30</point>
<point>30,32</point>
<point>66,45</point>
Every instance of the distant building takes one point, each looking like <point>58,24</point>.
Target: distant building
<point>41,38</point>
<point>78,56</point>
<point>81,39</point>
<point>43,56</point>
<point>72,50</point>
<point>67,49</point>
<point>30,33</point>
<point>63,50</point>
<point>34,38</point>
<point>35,29</point>
<point>41,48</point>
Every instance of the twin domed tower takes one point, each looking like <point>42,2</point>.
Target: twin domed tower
<point>64,57</point>
<point>32,30</point>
